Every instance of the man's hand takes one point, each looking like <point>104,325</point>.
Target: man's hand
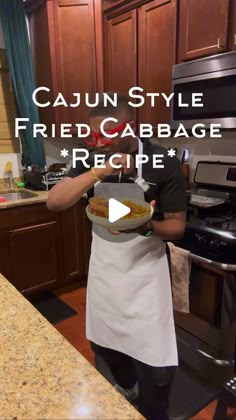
<point>141,229</point>
<point>171,228</point>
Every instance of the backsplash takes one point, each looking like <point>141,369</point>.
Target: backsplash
<point>15,158</point>
<point>205,149</point>
<point>223,149</point>
<point>4,183</point>
<point>52,150</point>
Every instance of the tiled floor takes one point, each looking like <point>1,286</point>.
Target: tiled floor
<point>74,330</point>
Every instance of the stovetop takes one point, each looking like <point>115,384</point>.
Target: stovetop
<point>215,220</point>
<point>211,233</point>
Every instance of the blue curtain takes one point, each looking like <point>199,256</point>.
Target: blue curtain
<point>18,51</point>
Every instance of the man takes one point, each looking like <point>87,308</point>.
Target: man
<point>129,304</point>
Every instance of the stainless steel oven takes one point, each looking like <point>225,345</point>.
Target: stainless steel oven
<point>212,292</point>
<point>215,78</point>
<point>207,335</point>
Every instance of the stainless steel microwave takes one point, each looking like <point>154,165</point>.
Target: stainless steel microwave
<point>215,78</point>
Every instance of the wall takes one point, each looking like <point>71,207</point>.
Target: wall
<point>52,151</point>
<point>53,147</point>
<point>223,149</point>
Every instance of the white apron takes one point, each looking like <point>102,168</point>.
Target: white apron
<point>129,300</point>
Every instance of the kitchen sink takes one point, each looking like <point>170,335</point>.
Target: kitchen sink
<point>17,195</point>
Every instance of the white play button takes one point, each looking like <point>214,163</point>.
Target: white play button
<point>117,210</point>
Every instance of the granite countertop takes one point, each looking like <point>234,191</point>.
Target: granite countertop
<point>42,376</point>
<point>39,197</point>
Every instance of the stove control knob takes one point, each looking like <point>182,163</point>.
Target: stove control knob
<point>201,239</point>
<point>198,237</point>
<point>222,243</point>
<point>214,244</point>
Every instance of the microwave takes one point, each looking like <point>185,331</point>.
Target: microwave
<point>215,78</point>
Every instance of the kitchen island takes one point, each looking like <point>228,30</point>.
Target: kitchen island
<point>42,375</point>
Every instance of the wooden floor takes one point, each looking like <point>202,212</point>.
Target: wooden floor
<point>74,330</point>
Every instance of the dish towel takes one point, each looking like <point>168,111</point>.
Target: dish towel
<point>180,274</point>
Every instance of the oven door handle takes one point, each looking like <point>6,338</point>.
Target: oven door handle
<point>217,362</point>
<point>198,259</point>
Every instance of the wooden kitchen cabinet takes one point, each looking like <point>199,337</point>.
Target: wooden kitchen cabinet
<point>75,55</point>
<point>156,56</point>
<point>42,250</point>
<point>121,52</point>
<point>32,253</point>
<point>35,257</point>
<point>67,47</point>
<point>232,26</point>
<point>76,241</point>
<point>203,28</point>
<point>5,258</point>
<point>140,51</point>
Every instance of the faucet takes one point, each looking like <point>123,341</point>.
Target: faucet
<point>10,180</point>
<point>9,174</point>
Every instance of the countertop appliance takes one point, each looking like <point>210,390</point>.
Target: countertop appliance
<point>215,78</point>
<point>206,336</point>
<point>45,179</point>
<point>50,178</point>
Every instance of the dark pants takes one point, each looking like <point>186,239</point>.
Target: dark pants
<point>154,382</point>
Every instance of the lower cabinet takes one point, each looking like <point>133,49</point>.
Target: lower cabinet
<point>41,250</point>
<point>76,241</point>
<point>35,253</point>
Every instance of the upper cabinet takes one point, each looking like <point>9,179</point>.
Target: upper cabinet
<point>156,56</point>
<point>203,28</point>
<point>75,64</point>
<point>121,52</point>
<point>232,26</point>
<point>66,41</point>
<point>140,50</point>
<point>88,46</point>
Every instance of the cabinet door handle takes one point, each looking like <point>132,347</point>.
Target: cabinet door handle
<point>234,39</point>
<point>219,45</point>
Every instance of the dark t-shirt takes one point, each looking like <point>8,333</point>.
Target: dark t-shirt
<point>169,191</point>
